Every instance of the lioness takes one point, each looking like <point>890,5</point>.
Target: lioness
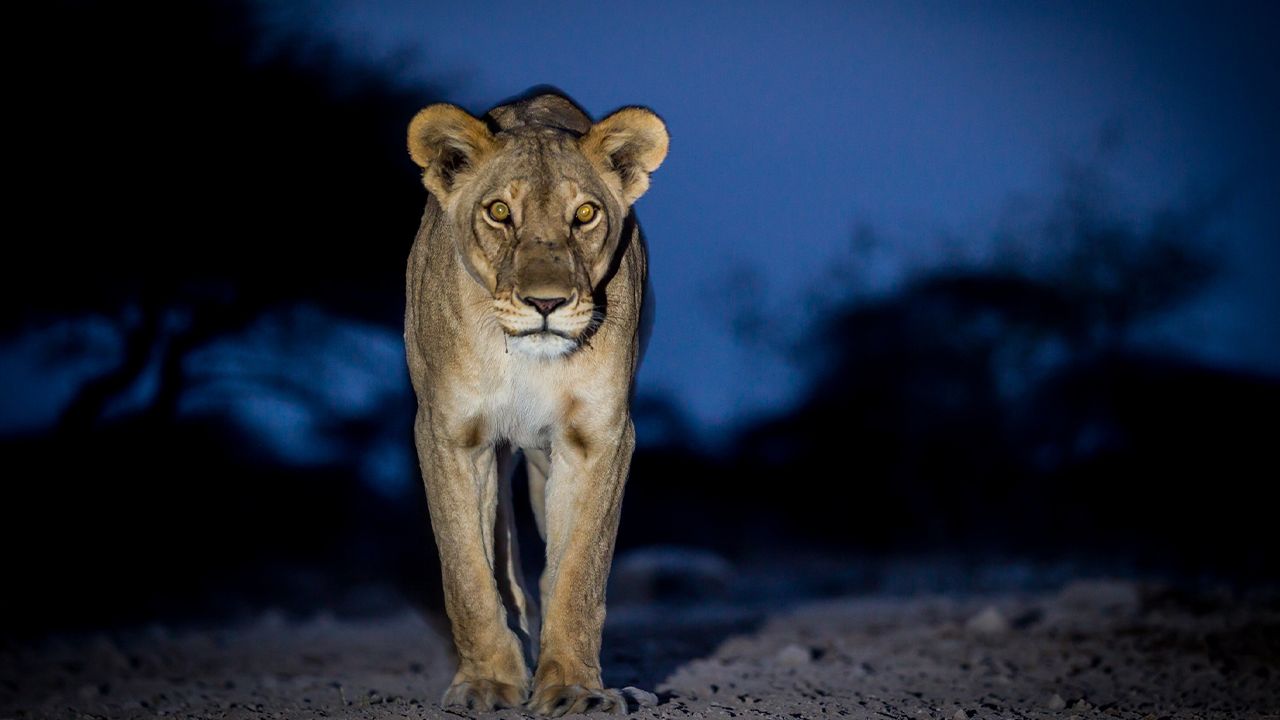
<point>523,313</point>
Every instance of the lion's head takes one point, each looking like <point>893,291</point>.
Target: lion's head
<point>536,199</point>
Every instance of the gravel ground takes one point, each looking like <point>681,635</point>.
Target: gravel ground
<point>1090,650</point>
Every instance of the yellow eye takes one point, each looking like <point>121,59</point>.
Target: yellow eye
<point>585,212</point>
<point>499,211</point>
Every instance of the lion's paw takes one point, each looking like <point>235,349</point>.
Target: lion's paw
<point>557,700</point>
<point>484,695</point>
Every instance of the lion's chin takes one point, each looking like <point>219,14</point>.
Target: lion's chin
<point>541,345</point>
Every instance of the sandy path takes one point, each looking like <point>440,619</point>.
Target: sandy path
<point>1093,650</point>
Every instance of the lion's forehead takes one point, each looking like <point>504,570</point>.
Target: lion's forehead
<point>546,190</point>
<point>542,155</point>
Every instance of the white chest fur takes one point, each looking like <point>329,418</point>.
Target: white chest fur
<point>526,399</point>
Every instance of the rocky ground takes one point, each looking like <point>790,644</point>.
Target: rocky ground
<point>1093,649</point>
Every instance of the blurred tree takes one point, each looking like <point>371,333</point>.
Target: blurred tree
<point>184,174</point>
<point>1005,404</point>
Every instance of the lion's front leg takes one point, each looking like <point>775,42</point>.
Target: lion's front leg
<point>461,476</point>
<point>583,502</point>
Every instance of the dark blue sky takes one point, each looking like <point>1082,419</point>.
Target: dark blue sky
<point>931,124</point>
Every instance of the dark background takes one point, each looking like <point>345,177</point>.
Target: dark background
<point>206,410</point>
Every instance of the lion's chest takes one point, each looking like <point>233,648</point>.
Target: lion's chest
<point>525,403</point>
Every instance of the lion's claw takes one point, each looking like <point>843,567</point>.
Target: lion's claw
<point>557,700</point>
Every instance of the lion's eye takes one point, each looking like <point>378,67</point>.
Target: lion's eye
<point>585,212</point>
<point>499,211</point>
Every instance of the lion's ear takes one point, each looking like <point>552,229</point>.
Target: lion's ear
<point>447,142</point>
<point>631,143</point>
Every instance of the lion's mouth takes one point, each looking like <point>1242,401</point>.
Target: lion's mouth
<point>544,330</point>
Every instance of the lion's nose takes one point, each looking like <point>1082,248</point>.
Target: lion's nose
<point>545,306</point>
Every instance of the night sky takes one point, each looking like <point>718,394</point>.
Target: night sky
<point>829,151</point>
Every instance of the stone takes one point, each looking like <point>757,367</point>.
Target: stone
<point>794,655</point>
<point>988,622</point>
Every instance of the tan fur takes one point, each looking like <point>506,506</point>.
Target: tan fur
<point>491,378</point>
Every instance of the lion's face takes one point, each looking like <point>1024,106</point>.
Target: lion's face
<point>538,228</point>
<point>537,212</point>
